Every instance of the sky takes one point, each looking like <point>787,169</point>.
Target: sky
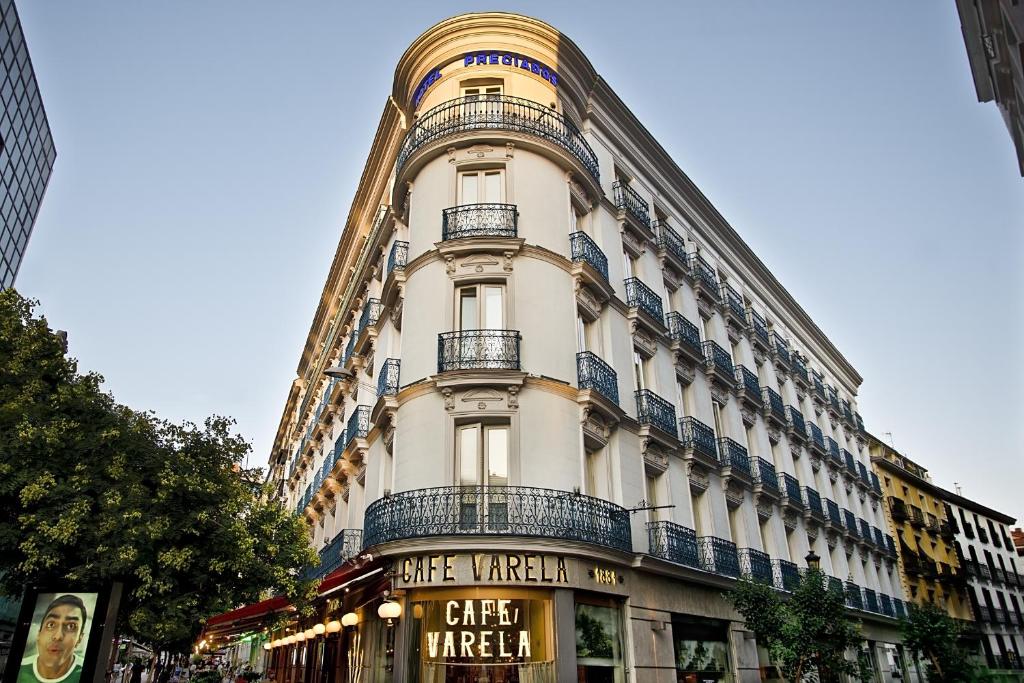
<point>208,153</point>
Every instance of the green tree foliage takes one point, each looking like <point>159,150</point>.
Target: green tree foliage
<point>807,634</point>
<point>932,635</point>
<point>91,490</point>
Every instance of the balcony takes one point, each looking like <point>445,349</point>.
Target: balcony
<point>789,487</point>
<point>398,256</point>
<point>795,425</point>
<point>643,298</point>
<point>786,575</point>
<point>812,503</point>
<point>594,374</point>
<point>655,411</point>
<point>780,349</point>
<point>685,338</point>
<point>982,534</point>
<point>705,278</point>
<point>748,388</point>
<point>774,410</point>
<point>718,364</point>
<point>816,440</point>
<point>833,400</point>
<point>342,548</point>
<point>630,202</point>
<point>854,598</point>
<point>734,456</point>
<point>876,485</point>
<point>847,413</point>
<point>765,476</point>
<point>358,426</point>
<point>499,112</point>
<point>818,388</point>
<point>672,248</point>
<point>673,542</point>
<point>479,220</point>
<point>699,440</point>
<point>898,509</point>
<point>862,472</point>
<point>520,511</point>
<point>885,605</point>
<point>851,464</point>
<point>834,455</point>
<point>755,565</point>
<point>870,601</point>
<point>478,350</point>
<point>798,371</point>
<point>585,250</point>
<point>890,547</point>
<point>760,339</point>
<point>735,311</point>
<point>931,524</point>
<point>387,381</point>
<point>832,514</point>
<point>859,421</point>
<point>878,537</point>
<point>850,523</point>
<point>865,531</point>
<point>898,607</point>
<point>718,555</point>
<point>916,516</point>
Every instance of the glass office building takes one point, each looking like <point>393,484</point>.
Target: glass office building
<point>26,148</point>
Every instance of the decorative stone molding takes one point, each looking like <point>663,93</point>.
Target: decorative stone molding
<point>719,395</point>
<point>759,355</point>
<point>833,476</point>
<point>849,547</point>
<point>684,370</point>
<point>733,494</point>
<point>795,450</point>
<point>632,242</point>
<point>513,397</point>
<point>642,341</point>
<point>699,479</point>
<point>655,458</point>
<point>774,435</point>
<point>815,461</point>
<point>831,539</point>
<point>705,305</point>
<point>749,417</point>
<point>789,520</point>
<point>812,531</point>
<point>589,305</point>
<point>764,509</point>
<point>449,402</point>
<point>596,431</point>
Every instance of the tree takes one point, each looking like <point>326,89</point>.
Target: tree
<point>930,633</point>
<point>91,490</point>
<point>808,633</point>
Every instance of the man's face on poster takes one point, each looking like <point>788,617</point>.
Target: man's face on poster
<point>59,635</point>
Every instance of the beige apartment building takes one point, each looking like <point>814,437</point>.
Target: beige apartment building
<point>551,405</point>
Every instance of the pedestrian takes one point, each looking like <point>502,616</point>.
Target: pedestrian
<point>136,676</point>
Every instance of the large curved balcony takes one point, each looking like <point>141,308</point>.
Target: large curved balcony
<point>497,511</point>
<point>498,112</point>
<point>478,350</point>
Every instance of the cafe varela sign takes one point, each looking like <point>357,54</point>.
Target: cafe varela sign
<point>481,628</point>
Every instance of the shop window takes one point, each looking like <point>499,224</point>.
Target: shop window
<point>481,635</point>
<point>599,643</point>
<point>701,650</point>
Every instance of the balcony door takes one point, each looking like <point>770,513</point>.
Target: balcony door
<point>481,187</point>
<point>482,455</point>
<point>482,103</point>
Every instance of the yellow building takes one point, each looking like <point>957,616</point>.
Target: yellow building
<point>918,517</point>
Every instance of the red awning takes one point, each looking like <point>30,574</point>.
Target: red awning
<point>247,614</point>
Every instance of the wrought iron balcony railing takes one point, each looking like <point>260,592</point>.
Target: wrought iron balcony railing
<point>818,384</point>
<point>854,598</point>
<point>847,411</point>
<point>350,347</point>
<point>851,464</point>
<point>773,405</point>
<point>890,546</point>
<point>478,350</point>
<point>850,522</point>
<point>833,399</point>
<point>765,474</point>
<point>816,436</point>
<point>885,605</point>
<point>832,512</point>
<point>734,301</point>
<point>358,425</point>
<point>731,454</point>
<point>812,501</point>
<point>479,220</point>
<point>799,369</point>
<point>673,542</point>
<point>859,421</point>
<point>719,358</point>
<point>899,608</point>
<point>870,600</point>
<point>698,436</point>
<point>629,200</point>
<point>876,485</point>
<point>790,487</point>
<point>878,537</point>
<point>748,383</point>
<point>865,530</point>
<point>836,586</point>
<point>343,547</point>
<point>916,516</point>
<point>655,411</point>
<point>759,326</point>
<point>684,332</point>
<point>593,373</point>
<point>498,112</point>
<point>797,426</point>
<point>398,256</point>
<point>671,241</point>
<point>786,574</point>
<point>497,511</point>
<point>898,509</point>
<point>371,314</point>
<point>718,555</point>
<point>705,274</point>
<point>643,297</point>
<point>833,450</point>
<point>781,348</point>
<point>585,250</point>
<point>387,383</point>
<point>755,565</point>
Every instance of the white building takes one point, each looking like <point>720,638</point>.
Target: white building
<point>570,404</point>
<point>995,584</point>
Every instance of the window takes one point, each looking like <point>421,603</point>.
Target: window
<point>481,187</point>
<point>640,365</point>
<point>701,649</point>
<point>629,264</point>
<point>482,100</point>
<point>598,643</point>
<point>597,474</point>
<point>481,307</point>
<point>482,454</point>
<point>652,496</point>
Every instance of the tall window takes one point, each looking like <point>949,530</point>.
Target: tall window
<point>482,454</point>
<point>481,187</point>
<point>640,371</point>
<point>481,306</point>
<point>652,496</point>
<point>482,100</point>
<point>628,264</point>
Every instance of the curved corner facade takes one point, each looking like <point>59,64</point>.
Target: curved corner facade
<point>565,405</point>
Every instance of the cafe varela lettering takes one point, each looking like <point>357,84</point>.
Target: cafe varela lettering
<point>485,568</point>
<point>480,629</point>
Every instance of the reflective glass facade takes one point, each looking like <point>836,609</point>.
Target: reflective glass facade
<point>27,154</point>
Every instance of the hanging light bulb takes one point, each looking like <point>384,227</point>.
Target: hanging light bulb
<point>333,626</point>
<point>349,619</point>
<point>319,629</point>
<point>389,610</point>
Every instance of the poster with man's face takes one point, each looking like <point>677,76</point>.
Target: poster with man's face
<point>58,637</point>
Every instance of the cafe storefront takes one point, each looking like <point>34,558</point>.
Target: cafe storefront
<point>510,618</point>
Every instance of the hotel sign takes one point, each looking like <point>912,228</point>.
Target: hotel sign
<point>488,58</point>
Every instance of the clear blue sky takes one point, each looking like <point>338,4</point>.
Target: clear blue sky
<point>208,153</point>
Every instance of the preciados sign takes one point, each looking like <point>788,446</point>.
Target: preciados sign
<point>485,59</point>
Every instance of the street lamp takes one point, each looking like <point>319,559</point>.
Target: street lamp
<point>338,372</point>
<point>812,560</point>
